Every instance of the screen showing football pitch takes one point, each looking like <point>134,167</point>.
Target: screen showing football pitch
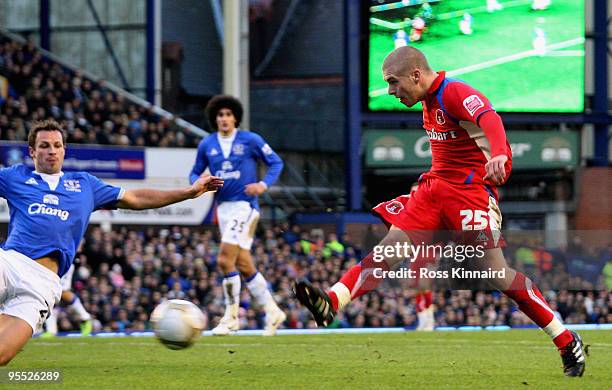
<point>524,55</point>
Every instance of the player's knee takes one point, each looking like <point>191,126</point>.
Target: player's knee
<point>6,355</point>
<point>226,261</point>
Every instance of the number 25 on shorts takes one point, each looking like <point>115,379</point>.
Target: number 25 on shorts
<point>474,219</point>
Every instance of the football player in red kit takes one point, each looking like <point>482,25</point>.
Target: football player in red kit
<point>470,157</point>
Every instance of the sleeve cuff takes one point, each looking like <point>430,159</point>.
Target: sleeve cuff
<point>263,183</point>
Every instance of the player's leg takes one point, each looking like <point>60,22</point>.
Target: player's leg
<point>425,310</point>
<point>473,211</point>
<point>256,283</point>
<point>357,281</point>
<point>258,287</point>
<point>233,218</point>
<point>228,254</point>
<point>14,335</point>
<point>50,325</point>
<point>530,301</point>
<point>416,214</point>
<point>424,296</point>
<point>14,332</point>
<point>28,292</point>
<point>84,317</point>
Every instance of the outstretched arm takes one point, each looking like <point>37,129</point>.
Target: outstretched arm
<point>149,198</point>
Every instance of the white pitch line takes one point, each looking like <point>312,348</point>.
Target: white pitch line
<point>456,14</point>
<point>513,57</point>
<point>566,53</point>
<point>497,61</point>
<point>539,345</point>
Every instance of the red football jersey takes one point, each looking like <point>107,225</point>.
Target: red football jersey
<point>459,147</point>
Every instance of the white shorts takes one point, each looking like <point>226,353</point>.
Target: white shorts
<point>66,280</point>
<point>237,222</point>
<point>28,290</point>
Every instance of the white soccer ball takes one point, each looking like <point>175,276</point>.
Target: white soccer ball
<point>177,323</point>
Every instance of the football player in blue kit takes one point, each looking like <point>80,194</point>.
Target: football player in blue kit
<point>232,154</point>
<point>49,212</point>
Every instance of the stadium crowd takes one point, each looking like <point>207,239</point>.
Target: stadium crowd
<point>33,87</point>
<point>123,273</point>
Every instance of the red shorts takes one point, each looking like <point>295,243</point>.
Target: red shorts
<point>469,210</point>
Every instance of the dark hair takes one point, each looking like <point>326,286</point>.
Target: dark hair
<point>46,125</point>
<point>223,101</point>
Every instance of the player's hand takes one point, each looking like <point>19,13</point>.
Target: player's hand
<point>496,170</point>
<point>254,189</point>
<point>205,183</point>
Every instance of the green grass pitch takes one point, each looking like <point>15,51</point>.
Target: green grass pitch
<point>510,359</point>
<point>552,83</point>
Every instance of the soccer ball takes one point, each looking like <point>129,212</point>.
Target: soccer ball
<point>177,323</point>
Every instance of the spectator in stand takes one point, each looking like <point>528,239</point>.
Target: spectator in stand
<point>179,263</point>
<point>41,89</point>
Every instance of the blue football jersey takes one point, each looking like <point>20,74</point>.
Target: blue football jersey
<point>240,167</point>
<point>45,221</point>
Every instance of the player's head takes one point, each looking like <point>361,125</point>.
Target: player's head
<point>46,142</point>
<point>224,113</point>
<point>408,74</point>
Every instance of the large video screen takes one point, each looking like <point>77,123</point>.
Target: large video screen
<point>524,55</point>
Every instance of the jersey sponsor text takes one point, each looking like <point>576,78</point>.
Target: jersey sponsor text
<point>40,208</point>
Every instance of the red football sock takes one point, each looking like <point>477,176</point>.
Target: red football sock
<point>531,302</point>
<point>358,280</point>
<point>423,300</point>
<point>428,298</point>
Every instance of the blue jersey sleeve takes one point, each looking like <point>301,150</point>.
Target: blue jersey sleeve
<point>4,176</point>
<point>264,152</point>
<point>201,163</point>
<point>105,195</point>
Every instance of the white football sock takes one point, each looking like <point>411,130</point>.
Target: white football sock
<point>259,289</point>
<point>80,309</point>
<point>231,289</point>
<point>554,328</point>
<point>343,294</point>
<point>51,322</point>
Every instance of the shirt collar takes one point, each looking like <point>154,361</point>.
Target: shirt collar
<point>231,136</point>
<point>436,84</point>
<point>59,174</point>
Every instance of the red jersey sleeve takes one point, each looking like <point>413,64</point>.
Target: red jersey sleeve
<point>467,104</point>
<point>464,102</point>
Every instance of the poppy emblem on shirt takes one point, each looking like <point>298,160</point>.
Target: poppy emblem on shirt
<point>440,117</point>
<point>394,207</point>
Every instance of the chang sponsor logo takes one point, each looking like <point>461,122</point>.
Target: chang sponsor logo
<point>40,208</point>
